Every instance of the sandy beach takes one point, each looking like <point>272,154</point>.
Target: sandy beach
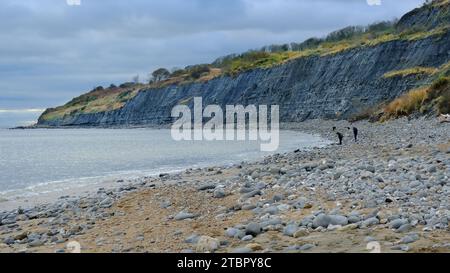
<point>388,192</point>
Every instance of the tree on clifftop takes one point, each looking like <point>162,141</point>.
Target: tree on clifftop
<point>160,74</point>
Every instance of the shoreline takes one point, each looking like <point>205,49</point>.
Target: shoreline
<point>48,192</point>
<point>275,204</point>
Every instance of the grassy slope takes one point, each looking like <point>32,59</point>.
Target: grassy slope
<point>434,98</point>
<point>114,98</point>
<point>98,100</point>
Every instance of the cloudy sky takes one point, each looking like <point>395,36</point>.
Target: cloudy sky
<point>51,52</point>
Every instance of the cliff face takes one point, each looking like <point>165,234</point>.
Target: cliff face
<point>333,86</point>
<point>426,17</point>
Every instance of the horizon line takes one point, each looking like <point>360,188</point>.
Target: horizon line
<point>30,110</point>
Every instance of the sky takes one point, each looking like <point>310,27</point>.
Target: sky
<point>51,51</point>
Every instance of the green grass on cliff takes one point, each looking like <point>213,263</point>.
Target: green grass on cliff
<point>411,71</point>
<point>256,59</point>
<point>98,100</point>
<point>435,73</point>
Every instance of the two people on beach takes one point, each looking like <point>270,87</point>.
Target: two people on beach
<point>341,136</point>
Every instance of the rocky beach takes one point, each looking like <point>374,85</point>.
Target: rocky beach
<point>388,192</point>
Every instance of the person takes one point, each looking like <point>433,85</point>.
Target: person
<point>334,128</point>
<point>355,133</point>
<point>341,137</point>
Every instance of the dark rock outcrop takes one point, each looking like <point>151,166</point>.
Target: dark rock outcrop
<point>334,86</point>
<point>426,18</point>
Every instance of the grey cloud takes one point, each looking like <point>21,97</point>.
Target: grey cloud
<point>51,52</point>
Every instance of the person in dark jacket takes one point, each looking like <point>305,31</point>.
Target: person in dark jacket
<point>355,133</point>
<point>341,137</point>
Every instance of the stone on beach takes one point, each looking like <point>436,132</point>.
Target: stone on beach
<point>395,224</point>
<point>207,244</point>
<point>322,220</point>
<point>231,232</point>
<point>290,230</point>
<point>106,203</point>
<point>250,194</point>
<point>253,229</point>
<point>408,239</point>
<point>254,247</point>
<point>242,250</point>
<point>219,193</point>
<point>338,220</point>
<point>36,243</point>
<point>193,239</point>
<point>9,241</point>
<point>370,222</point>
<point>206,187</point>
<point>184,215</point>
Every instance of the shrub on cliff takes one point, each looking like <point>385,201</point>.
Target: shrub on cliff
<point>441,91</point>
<point>434,99</point>
<point>197,71</point>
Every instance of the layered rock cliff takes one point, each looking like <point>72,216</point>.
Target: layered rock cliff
<point>337,85</point>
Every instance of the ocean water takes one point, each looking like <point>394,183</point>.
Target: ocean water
<point>37,162</point>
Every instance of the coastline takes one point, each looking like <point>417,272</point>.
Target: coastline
<point>47,189</point>
<point>298,201</point>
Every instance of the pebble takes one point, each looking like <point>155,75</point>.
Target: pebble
<point>301,232</point>
<point>277,198</point>
<point>272,210</point>
<point>231,232</point>
<point>242,250</point>
<point>248,207</point>
<point>321,220</point>
<point>184,215</point>
<point>370,222</point>
<point>253,229</point>
<point>290,230</point>
<point>354,219</point>
<point>21,236</point>
<point>35,243</point>
<point>283,207</point>
<point>404,248</point>
<point>254,247</point>
<point>193,239</point>
<point>395,224</point>
<point>306,247</point>
<point>404,228</point>
<point>9,241</point>
<point>338,220</point>
<point>106,203</point>
<point>251,194</point>
<point>219,193</point>
<point>206,187</point>
<point>207,244</point>
<point>408,239</point>
<point>165,204</point>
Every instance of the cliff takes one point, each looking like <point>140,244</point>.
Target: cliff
<point>339,84</point>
